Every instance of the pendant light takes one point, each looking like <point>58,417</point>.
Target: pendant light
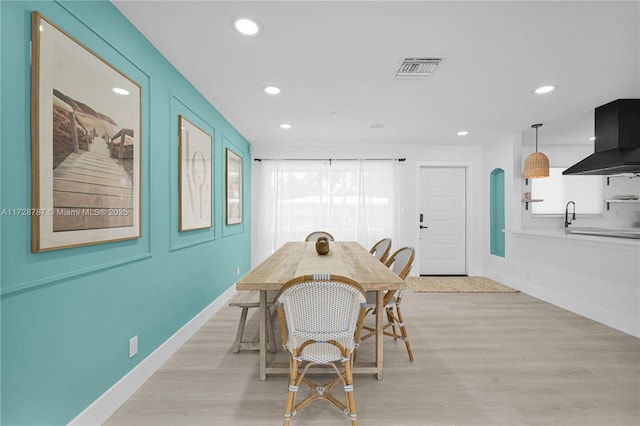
<point>537,164</point>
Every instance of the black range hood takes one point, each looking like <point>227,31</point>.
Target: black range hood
<point>617,145</point>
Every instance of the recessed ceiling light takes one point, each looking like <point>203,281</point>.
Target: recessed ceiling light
<point>246,26</point>
<point>285,126</point>
<point>543,89</point>
<point>462,133</point>
<point>377,126</point>
<point>120,91</point>
<point>272,90</point>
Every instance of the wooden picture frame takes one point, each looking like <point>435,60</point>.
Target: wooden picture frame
<point>195,176</point>
<point>233,188</point>
<point>86,144</point>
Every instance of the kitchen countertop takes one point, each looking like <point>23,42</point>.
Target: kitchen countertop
<point>560,234</point>
<point>633,233</point>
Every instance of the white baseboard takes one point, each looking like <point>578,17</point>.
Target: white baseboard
<point>107,404</point>
<point>588,310</point>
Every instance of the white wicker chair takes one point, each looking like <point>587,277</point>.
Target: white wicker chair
<point>321,318</point>
<point>381,249</point>
<point>317,234</point>
<point>400,262</point>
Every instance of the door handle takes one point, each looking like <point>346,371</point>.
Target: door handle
<point>423,227</point>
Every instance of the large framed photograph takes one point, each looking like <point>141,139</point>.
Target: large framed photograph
<point>234,188</point>
<point>195,176</point>
<point>86,123</point>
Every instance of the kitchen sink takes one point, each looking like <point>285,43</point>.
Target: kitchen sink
<point>606,232</point>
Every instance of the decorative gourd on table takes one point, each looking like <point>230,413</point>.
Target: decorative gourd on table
<point>322,245</point>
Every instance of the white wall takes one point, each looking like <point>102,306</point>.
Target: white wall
<point>408,232</point>
<point>597,277</point>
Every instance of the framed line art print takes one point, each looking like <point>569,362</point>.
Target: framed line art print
<point>234,188</point>
<point>85,143</point>
<point>196,147</point>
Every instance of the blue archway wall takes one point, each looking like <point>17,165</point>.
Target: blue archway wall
<point>496,213</point>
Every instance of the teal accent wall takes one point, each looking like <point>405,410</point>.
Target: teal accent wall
<point>496,213</point>
<point>67,315</point>
<point>1,125</point>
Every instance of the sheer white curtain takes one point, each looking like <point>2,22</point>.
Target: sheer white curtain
<point>354,200</point>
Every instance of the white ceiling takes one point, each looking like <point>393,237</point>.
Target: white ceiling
<point>339,57</point>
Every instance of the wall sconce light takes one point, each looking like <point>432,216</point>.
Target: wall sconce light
<point>537,164</point>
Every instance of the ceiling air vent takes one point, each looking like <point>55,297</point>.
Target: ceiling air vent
<point>418,67</point>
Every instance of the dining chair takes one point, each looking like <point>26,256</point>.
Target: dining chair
<point>400,262</point>
<point>320,318</point>
<point>317,234</point>
<point>381,249</point>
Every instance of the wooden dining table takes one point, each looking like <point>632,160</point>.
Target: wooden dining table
<point>348,259</point>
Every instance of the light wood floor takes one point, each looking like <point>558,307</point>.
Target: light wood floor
<point>480,359</point>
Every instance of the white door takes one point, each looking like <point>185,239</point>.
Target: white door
<point>443,221</point>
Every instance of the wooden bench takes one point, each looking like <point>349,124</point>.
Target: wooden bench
<point>246,299</point>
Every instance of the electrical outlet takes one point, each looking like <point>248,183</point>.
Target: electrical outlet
<point>238,271</point>
<point>133,346</point>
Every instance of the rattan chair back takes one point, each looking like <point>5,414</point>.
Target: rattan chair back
<point>381,249</point>
<point>401,261</point>
<point>317,234</point>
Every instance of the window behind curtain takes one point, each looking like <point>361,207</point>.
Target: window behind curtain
<point>352,200</point>
<point>558,189</point>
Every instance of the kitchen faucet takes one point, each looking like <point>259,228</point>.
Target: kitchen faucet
<point>566,214</point>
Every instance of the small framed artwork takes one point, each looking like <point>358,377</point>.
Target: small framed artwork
<point>195,176</point>
<point>85,164</point>
<point>234,188</point>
